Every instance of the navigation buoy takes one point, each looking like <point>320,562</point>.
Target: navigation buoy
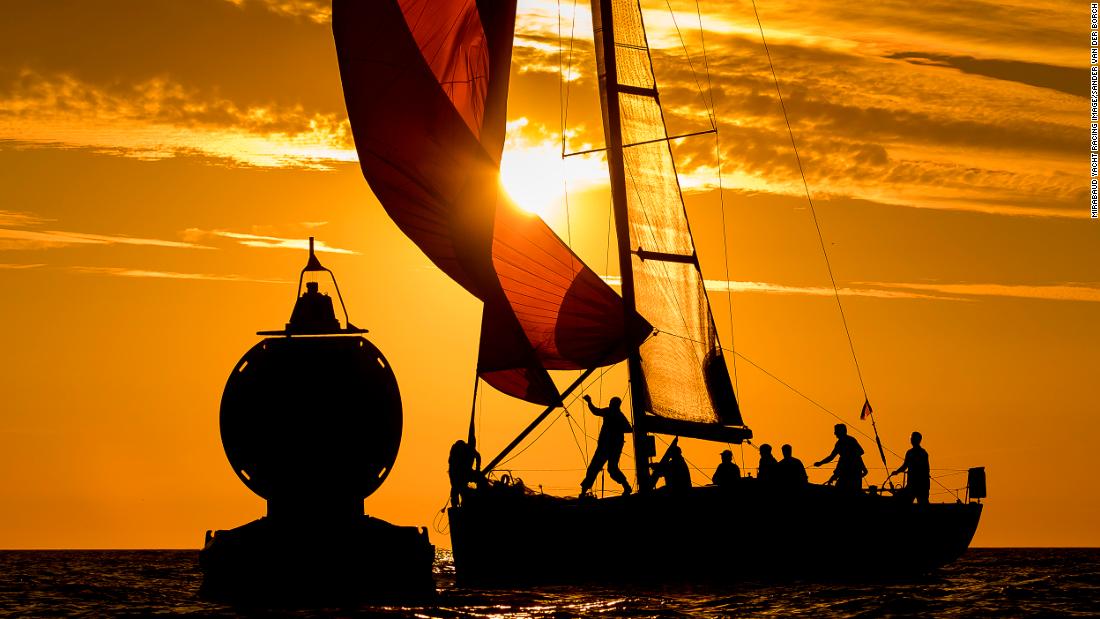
<point>311,421</point>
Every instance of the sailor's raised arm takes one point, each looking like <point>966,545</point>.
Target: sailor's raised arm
<point>597,411</point>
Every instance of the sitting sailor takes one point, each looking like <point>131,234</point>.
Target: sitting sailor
<point>674,469</point>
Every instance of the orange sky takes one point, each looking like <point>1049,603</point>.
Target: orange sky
<point>161,162</point>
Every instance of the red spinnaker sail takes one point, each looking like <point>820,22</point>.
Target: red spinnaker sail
<point>426,87</point>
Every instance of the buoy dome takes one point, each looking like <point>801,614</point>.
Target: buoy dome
<point>312,419</point>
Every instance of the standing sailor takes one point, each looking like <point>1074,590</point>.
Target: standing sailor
<point>609,446</point>
<point>849,468</point>
<point>463,467</point>
<point>918,480</point>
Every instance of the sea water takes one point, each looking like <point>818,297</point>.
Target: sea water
<point>984,583</point>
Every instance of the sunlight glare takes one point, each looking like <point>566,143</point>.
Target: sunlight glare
<point>533,179</point>
<point>534,175</point>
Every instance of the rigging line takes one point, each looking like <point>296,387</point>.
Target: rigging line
<point>706,62</point>
<point>545,470</point>
<point>800,394</point>
<point>584,420</point>
<point>820,238</point>
<point>687,56</point>
<point>563,79</point>
<point>480,412</point>
<point>667,138</point>
<point>565,406</point>
<point>472,436</point>
<point>561,83</point>
<point>569,418</point>
<point>726,261</point>
<point>606,266</point>
<point>721,195</point>
<point>809,200</point>
<point>561,118</point>
<point>815,403</point>
<point>689,462</point>
<point>568,217</point>
<point>533,441</point>
<point>630,457</point>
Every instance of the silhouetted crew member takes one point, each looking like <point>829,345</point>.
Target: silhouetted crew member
<point>674,469</point>
<point>919,479</point>
<point>463,465</point>
<point>765,471</point>
<point>790,472</point>
<point>727,472</point>
<point>849,468</point>
<point>609,445</point>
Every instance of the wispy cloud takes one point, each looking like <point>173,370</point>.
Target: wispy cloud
<point>318,11</point>
<point>1052,292</point>
<point>906,290</point>
<point>158,118</point>
<point>143,273</point>
<point>721,285</point>
<point>17,267</point>
<point>265,241</point>
<point>35,239</point>
<point>20,219</point>
<point>936,121</point>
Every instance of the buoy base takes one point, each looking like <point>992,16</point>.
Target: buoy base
<point>306,563</point>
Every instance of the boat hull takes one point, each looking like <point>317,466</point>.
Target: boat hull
<point>503,536</point>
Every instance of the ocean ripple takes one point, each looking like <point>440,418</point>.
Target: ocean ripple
<point>984,583</point>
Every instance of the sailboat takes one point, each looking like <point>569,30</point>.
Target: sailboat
<point>426,83</point>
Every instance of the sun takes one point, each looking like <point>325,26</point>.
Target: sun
<point>536,176</point>
<point>532,175</point>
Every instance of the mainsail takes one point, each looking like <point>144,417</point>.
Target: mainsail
<point>426,83</point>
<point>684,371</point>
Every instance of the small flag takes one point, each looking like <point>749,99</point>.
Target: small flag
<point>866,412</point>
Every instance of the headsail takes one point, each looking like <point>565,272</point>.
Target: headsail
<point>426,83</point>
<point>683,368</point>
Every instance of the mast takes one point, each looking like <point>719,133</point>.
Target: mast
<point>603,33</point>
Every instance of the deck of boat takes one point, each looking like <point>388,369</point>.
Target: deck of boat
<point>507,536</point>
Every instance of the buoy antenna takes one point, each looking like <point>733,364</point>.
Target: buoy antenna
<point>314,264</point>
